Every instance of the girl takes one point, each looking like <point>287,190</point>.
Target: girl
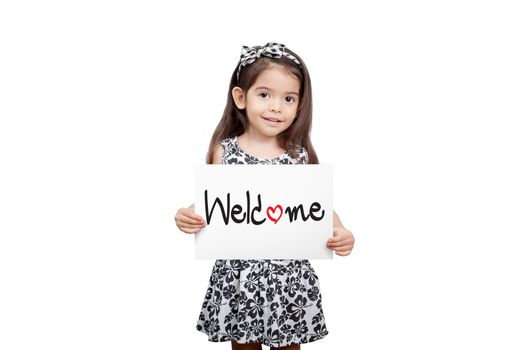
<point>267,120</point>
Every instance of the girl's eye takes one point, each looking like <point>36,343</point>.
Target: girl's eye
<point>288,98</point>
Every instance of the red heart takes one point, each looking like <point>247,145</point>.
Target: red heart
<point>273,211</point>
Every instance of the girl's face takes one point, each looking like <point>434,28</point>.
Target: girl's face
<point>271,103</point>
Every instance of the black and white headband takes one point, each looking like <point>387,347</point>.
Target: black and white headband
<point>271,49</point>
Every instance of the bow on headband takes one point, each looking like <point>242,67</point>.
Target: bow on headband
<point>271,49</point>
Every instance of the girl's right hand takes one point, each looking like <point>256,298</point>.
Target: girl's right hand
<point>187,221</point>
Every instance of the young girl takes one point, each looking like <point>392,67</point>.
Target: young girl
<point>267,120</point>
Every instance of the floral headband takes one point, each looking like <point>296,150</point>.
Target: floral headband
<point>271,49</point>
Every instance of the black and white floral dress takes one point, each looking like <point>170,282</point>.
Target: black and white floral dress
<point>273,302</point>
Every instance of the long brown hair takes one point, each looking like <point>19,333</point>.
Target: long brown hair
<point>234,121</point>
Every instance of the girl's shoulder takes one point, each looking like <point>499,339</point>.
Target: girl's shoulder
<point>226,141</point>
<point>225,149</point>
<point>228,144</point>
<point>299,154</point>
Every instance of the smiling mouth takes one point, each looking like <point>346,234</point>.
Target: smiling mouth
<point>272,120</point>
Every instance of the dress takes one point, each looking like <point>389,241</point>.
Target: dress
<point>274,302</point>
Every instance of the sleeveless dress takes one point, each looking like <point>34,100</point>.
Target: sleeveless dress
<point>274,302</point>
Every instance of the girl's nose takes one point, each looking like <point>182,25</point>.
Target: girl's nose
<point>276,107</point>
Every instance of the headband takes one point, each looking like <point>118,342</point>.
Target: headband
<point>271,49</point>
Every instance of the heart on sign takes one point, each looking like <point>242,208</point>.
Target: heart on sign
<point>274,213</point>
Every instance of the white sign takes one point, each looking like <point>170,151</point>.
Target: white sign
<point>264,211</point>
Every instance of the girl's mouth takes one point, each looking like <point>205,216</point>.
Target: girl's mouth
<point>272,120</point>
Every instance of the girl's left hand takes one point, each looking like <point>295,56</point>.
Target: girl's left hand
<point>342,242</point>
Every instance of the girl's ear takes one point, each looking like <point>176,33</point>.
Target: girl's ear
<point>239,97</point>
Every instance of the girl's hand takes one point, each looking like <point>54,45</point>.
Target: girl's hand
<point>342,242</point>
<point>187,221</point>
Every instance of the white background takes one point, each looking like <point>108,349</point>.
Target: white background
<point>106,106</point>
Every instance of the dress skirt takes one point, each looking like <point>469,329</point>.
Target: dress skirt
<point>273,302</point>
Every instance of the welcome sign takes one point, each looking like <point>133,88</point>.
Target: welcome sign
<point>264,211</point>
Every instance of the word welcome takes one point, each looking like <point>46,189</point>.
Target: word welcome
<point>238,214</point>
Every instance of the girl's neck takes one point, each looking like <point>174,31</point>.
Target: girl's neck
<point>259,145</point>
<point>253,138</point>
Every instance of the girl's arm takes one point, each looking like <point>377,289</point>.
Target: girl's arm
<point>343,241</point>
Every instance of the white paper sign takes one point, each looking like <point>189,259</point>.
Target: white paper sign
<point>264,211</point>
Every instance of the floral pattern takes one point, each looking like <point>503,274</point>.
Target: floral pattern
<point>274,302</point>
<point>233,154</point>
